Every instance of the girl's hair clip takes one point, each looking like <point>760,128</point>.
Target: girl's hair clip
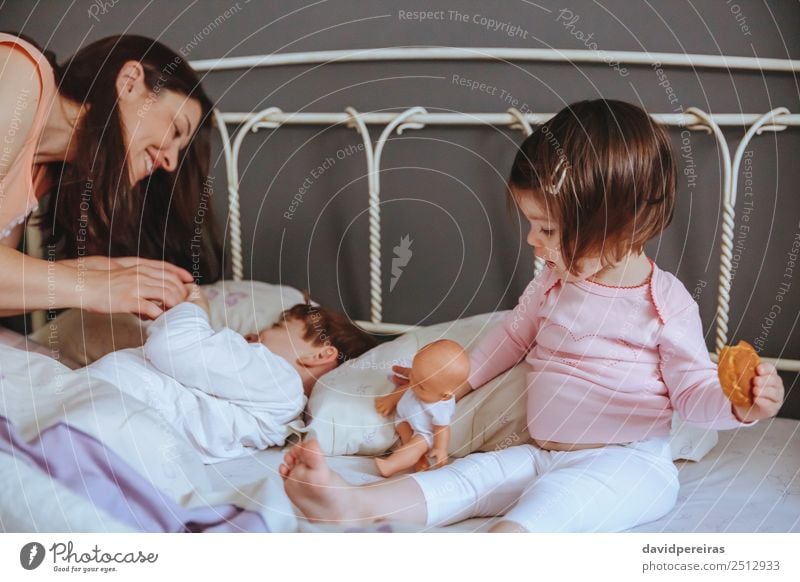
<point>562,166</point>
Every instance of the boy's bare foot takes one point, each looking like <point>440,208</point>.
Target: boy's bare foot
<point>319,493</point>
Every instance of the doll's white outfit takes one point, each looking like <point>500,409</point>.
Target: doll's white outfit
<point>423,416</point>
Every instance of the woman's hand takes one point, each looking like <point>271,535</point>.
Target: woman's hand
<point>767,393</point>
<point>140,286</point>
<point>97,262</point>
<point>101,263</point>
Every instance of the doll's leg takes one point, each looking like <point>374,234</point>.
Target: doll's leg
<point>610,489</point>
<point>404,431</point>
<point>402,458</point>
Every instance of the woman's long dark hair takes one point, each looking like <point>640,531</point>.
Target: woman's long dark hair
<point>93,209</point>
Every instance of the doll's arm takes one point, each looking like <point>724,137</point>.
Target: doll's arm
<point>387,404</point>
<point>441,440</point>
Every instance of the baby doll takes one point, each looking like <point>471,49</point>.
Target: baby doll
<point>425,407</point>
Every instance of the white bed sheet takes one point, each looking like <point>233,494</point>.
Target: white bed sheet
<point>750,482</point>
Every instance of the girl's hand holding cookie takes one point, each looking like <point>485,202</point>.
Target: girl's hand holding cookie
<point>767,395</point>
<point>754,387</point>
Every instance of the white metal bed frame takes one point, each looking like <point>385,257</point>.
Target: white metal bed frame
<point>417,117</point>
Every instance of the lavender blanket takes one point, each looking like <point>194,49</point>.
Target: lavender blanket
<point>84,465</point>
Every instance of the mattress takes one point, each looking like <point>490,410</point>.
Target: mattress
<point>750,482</point>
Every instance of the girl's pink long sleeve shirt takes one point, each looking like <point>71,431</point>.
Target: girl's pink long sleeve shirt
<point>608,364</point>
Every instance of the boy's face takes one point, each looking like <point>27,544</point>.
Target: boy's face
<point>284,339</point>
<point>545,238</point>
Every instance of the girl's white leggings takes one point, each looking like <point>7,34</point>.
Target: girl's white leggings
<point>608,489</point>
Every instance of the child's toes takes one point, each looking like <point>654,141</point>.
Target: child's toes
<point>290,458</point>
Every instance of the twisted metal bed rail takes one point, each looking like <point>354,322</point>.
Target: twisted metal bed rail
<point>692,119</point>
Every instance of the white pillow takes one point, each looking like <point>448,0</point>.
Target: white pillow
<point>248,306</point>
<point>689,442</point>
<point>243,306</point>
<point>341,411</point>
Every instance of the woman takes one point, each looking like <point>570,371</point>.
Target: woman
<point>119,137</point>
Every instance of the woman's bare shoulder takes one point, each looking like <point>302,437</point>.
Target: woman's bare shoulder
<point>19,72</point>
<point>20,91</point>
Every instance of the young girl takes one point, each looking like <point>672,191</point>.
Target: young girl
<point>615,345</point>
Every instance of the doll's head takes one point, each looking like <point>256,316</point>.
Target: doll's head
<point>439,368</point>
<point>596,182</point>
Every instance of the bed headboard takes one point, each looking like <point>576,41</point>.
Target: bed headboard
<point>690,119</point>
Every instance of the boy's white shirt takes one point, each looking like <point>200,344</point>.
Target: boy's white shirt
<point>227,396</point>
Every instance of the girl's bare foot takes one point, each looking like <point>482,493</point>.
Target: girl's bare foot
<point>319,493</point>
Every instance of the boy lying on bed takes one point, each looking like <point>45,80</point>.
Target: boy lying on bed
<point>230,394</point>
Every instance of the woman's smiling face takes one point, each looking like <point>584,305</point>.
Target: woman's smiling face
<point>157,126</point>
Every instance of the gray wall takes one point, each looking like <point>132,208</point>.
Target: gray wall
<point>444,187</point>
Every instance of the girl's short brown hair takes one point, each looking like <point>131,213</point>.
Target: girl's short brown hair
<point>605,173</point>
